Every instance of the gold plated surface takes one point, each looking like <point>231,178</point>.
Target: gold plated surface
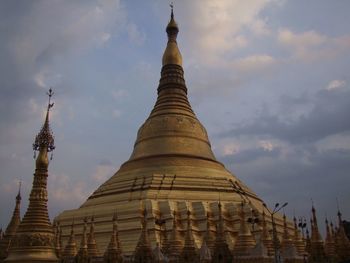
<point>173,171</point>
<point>34,240</point>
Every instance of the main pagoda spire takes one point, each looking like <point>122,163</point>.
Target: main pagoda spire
<point>172,123</point>
<point>35,240</point>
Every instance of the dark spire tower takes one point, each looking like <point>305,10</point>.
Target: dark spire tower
<point>35,239</point>
<point>172,163</point>
<point>11,229</point>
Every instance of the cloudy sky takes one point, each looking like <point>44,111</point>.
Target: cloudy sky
<point>269,79</point>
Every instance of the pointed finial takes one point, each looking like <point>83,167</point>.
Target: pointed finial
<point>172,10</point>
<point>18,197</point>
<point>172,53</point>
<point>45,140</point>
<point>338,206</point>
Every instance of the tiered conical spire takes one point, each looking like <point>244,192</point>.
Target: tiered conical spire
<point>11,229</point>
<point>266,237</point>
<point>245,240</point>
<point>165,245</point>
<point>189,253</point>
<point>35,234</point>
<point>113,253</point>
<point>175,247</point>
<point>205,253</point>
<point>159,257</point>
<point>58,238</point>
<point>172,117</point>
<point>83,255</point>
<point>329,245</point>
<point>317,253</point>
<point>92,245</point>
<point>289,250</point>
<point>70,250</point>
<point>143,252</point>
<point>298,239</point>
<point>221,252</point>
<point>342,241</point>
<point>286,238</point>
<point>209,235</point>
<point>308,242</point>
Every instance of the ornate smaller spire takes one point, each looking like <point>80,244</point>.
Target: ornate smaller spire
<point>222,252</point>
<point>11,229</point>
<point>209,237</point>
<point>315,234</point>
<point>342,241</point>
<point>70,251</point>
<point>165,245</point>
<point>175,240</point>
<point>189,253</point>
<point>143,251</point>
<point>308,242</point>
<point>266,237</point>
<point>289,250</point>
<point>286,239</point>
<point>297,239</point>
<point>245,241</point>
<point>113,252</point>
<point>329,242</point>
<point>58,240</point>
<point>92,246</point>
<point>158,255</point>
<point>83,255</point>
<point>317,247</point>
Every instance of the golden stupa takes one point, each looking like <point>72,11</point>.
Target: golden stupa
<point>171,173</point>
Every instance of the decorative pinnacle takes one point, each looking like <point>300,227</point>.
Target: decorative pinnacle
<point>18,197</point>
<point>45,139</point>
<point>172,10</point>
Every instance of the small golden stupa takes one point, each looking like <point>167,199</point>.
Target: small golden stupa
<point>173,172</point>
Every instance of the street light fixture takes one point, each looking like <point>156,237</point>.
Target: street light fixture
<point>276,209</point>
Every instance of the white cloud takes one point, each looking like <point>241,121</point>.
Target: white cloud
<point>336,84</point>
<point>46,78</point>
<point>103,172</point>
<point>230,149</point>
<point>33,106</point>
<point>120,93</point>
<point>135,35</point>
<point>47,36</point>
<point>254,63</point>
<point>302,40</point>
<point>116,113</point>
<point>224,20</point>
<point>266,145</point>
<point>259,28</point>
<point>309,46</point>
<point>62,189</point>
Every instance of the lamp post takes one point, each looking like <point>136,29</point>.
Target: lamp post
<point>274,232</point>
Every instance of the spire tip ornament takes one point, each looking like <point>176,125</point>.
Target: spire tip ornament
<point>45,141</point>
